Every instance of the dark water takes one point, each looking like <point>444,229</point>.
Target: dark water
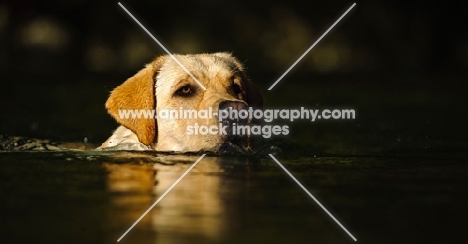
<point>395,174</point>
<point>83,197</point>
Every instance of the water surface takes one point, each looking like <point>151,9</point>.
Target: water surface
<point>94,197</point>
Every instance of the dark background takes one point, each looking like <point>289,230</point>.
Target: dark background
<point>401,65</point>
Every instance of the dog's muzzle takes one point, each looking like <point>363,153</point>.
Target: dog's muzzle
<point>236,139</point>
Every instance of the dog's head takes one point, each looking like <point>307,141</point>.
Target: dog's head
<point>165,85</point>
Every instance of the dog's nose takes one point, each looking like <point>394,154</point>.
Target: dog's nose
<point>231,112</point>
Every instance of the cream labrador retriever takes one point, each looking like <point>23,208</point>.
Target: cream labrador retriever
<point>164,85</point>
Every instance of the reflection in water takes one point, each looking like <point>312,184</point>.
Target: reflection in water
<point>193,209</point>
<point>132,186</point>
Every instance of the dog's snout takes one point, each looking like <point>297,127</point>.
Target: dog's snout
<point>232,112</point>
<point>233,115</point>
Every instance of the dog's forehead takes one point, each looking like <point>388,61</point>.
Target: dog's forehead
<point>202,66</point>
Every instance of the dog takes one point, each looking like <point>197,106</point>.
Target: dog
<point>164,85</point>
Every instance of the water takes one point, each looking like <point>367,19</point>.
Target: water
<point>94,197</point>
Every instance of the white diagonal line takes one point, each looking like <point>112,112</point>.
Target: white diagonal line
<point>312,196</point>
<point>310,48</point>
<point>162,46</point>
<point>162,196</point>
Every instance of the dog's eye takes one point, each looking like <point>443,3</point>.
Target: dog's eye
<point>185,91</point>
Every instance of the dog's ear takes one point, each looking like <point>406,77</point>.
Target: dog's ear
<point>137,93</point>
